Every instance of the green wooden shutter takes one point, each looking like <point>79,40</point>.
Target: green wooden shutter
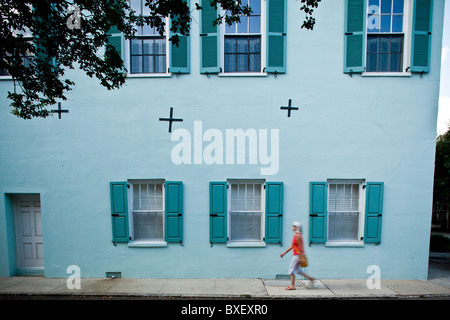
<point>374,212</point>
<point>174,211</point>
<point>318,212</point>
<point>179,55</point>
<point>355,24</point>
<point>218,212</point>
<point>115,38</point>
<point>209,39</point>
<point>274,212</point>
<point>421,36</point>
<point>276,36</point>
<point>119,211</point>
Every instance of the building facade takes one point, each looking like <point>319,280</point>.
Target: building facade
<point>199,164</point>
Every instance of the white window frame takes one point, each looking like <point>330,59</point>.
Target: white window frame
<point>246,243</point>
<point>127,56</point>
<point>27,36</point>
<point>407,33</point>
<point>263,46</point>
<point>361,219</point>
<point>145,242</point>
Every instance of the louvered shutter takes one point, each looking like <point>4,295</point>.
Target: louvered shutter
<point>355,17</point>
<point>421,36</point>
<point>274,212</point>
<point>276,36</point>
<point>209,39</point>
<point>119,211</point>
<point>174,211</point>
<point>318,212</point>
<point>218,211</point>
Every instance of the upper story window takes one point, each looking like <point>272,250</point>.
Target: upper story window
<point>148,49</point>
<point>385,36</point>
<point>255,45</point>
<point>24,60</point>
<point>242,42</point>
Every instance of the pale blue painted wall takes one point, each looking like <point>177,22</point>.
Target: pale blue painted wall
<point>376,128</point>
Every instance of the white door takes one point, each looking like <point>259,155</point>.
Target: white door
<point>29,244</point>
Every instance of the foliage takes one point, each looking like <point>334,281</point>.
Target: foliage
<point>441,192</point>
<point>38,66</point>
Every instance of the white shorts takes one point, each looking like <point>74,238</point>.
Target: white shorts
<point>295,265</point>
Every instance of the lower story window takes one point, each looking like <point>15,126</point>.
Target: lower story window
<point>384,53</point>
<point>148,210</point>
<point>344,211</point>
<point>246,214</point>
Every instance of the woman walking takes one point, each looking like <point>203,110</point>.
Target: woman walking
<point>297,247</point>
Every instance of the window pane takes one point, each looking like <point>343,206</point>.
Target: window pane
<point>395,63</point>
<point>230,63</point>
<point>374,4</point>
<point>255,45</point>
<point>397,23</point>
<point>149,64</point>
<point>385,23</point>
<point>242,27</point>
<point>160,64</point>
<point>148,226</point>
<point>242,62</point>
<point>255,62</point>
<point>136,64</point>
<point>136,46</point>
<point>230,45</point>
<point>384,45</point>
<point>396,44</point>
<point>343,226</point>
<point>383,62</point>
<point>255,24</point>
<point>230,28</point>
<point>148,46</point>
<point>245,226</point>
<point>398,6</point>
<point>386,6</point>
<point>372,44</point>
<point>136,6</point>
<point>256,7</point>
<point>242,45</point>
<point>372,62</point>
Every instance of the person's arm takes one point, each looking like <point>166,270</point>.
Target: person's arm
<point>288,249</point>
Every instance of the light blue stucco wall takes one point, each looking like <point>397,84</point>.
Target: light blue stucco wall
<point>374,128</point>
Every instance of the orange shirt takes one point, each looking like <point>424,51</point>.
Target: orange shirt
<point>297,248</point>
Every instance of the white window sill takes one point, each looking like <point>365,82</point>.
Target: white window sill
<point>149,75</point>
<point>386,74</point>
<point>246,244</point>
<point>357,244</point>
<point>146,244</point>
<point>243,74</point>
<point>6,78</point>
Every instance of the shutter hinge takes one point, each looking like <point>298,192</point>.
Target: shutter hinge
<point>364,186</point>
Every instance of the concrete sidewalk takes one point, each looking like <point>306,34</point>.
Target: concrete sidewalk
<point>52,288</point>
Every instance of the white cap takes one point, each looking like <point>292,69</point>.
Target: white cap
<point>296,224</point>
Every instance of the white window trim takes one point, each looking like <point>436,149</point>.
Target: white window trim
<point>247,243</point>
<point>407,34</point>
<point>362,201</point>
<point>27,37</point>
<point>263,47</point>
<point>127,57</point>
<point>144,243</point>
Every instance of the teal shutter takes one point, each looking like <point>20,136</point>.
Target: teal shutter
<point>115,39</point>
<point>276,36</point>
<point>274,212</point>
<point>119,211</point>
<point>318,212</point>
<point>209,39</point>
<point>179,55</point>
<point>218,212</point>
<point>374,212</point>
<point>174,211</point>
<point>421,36</point>
<point>355,24</point>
